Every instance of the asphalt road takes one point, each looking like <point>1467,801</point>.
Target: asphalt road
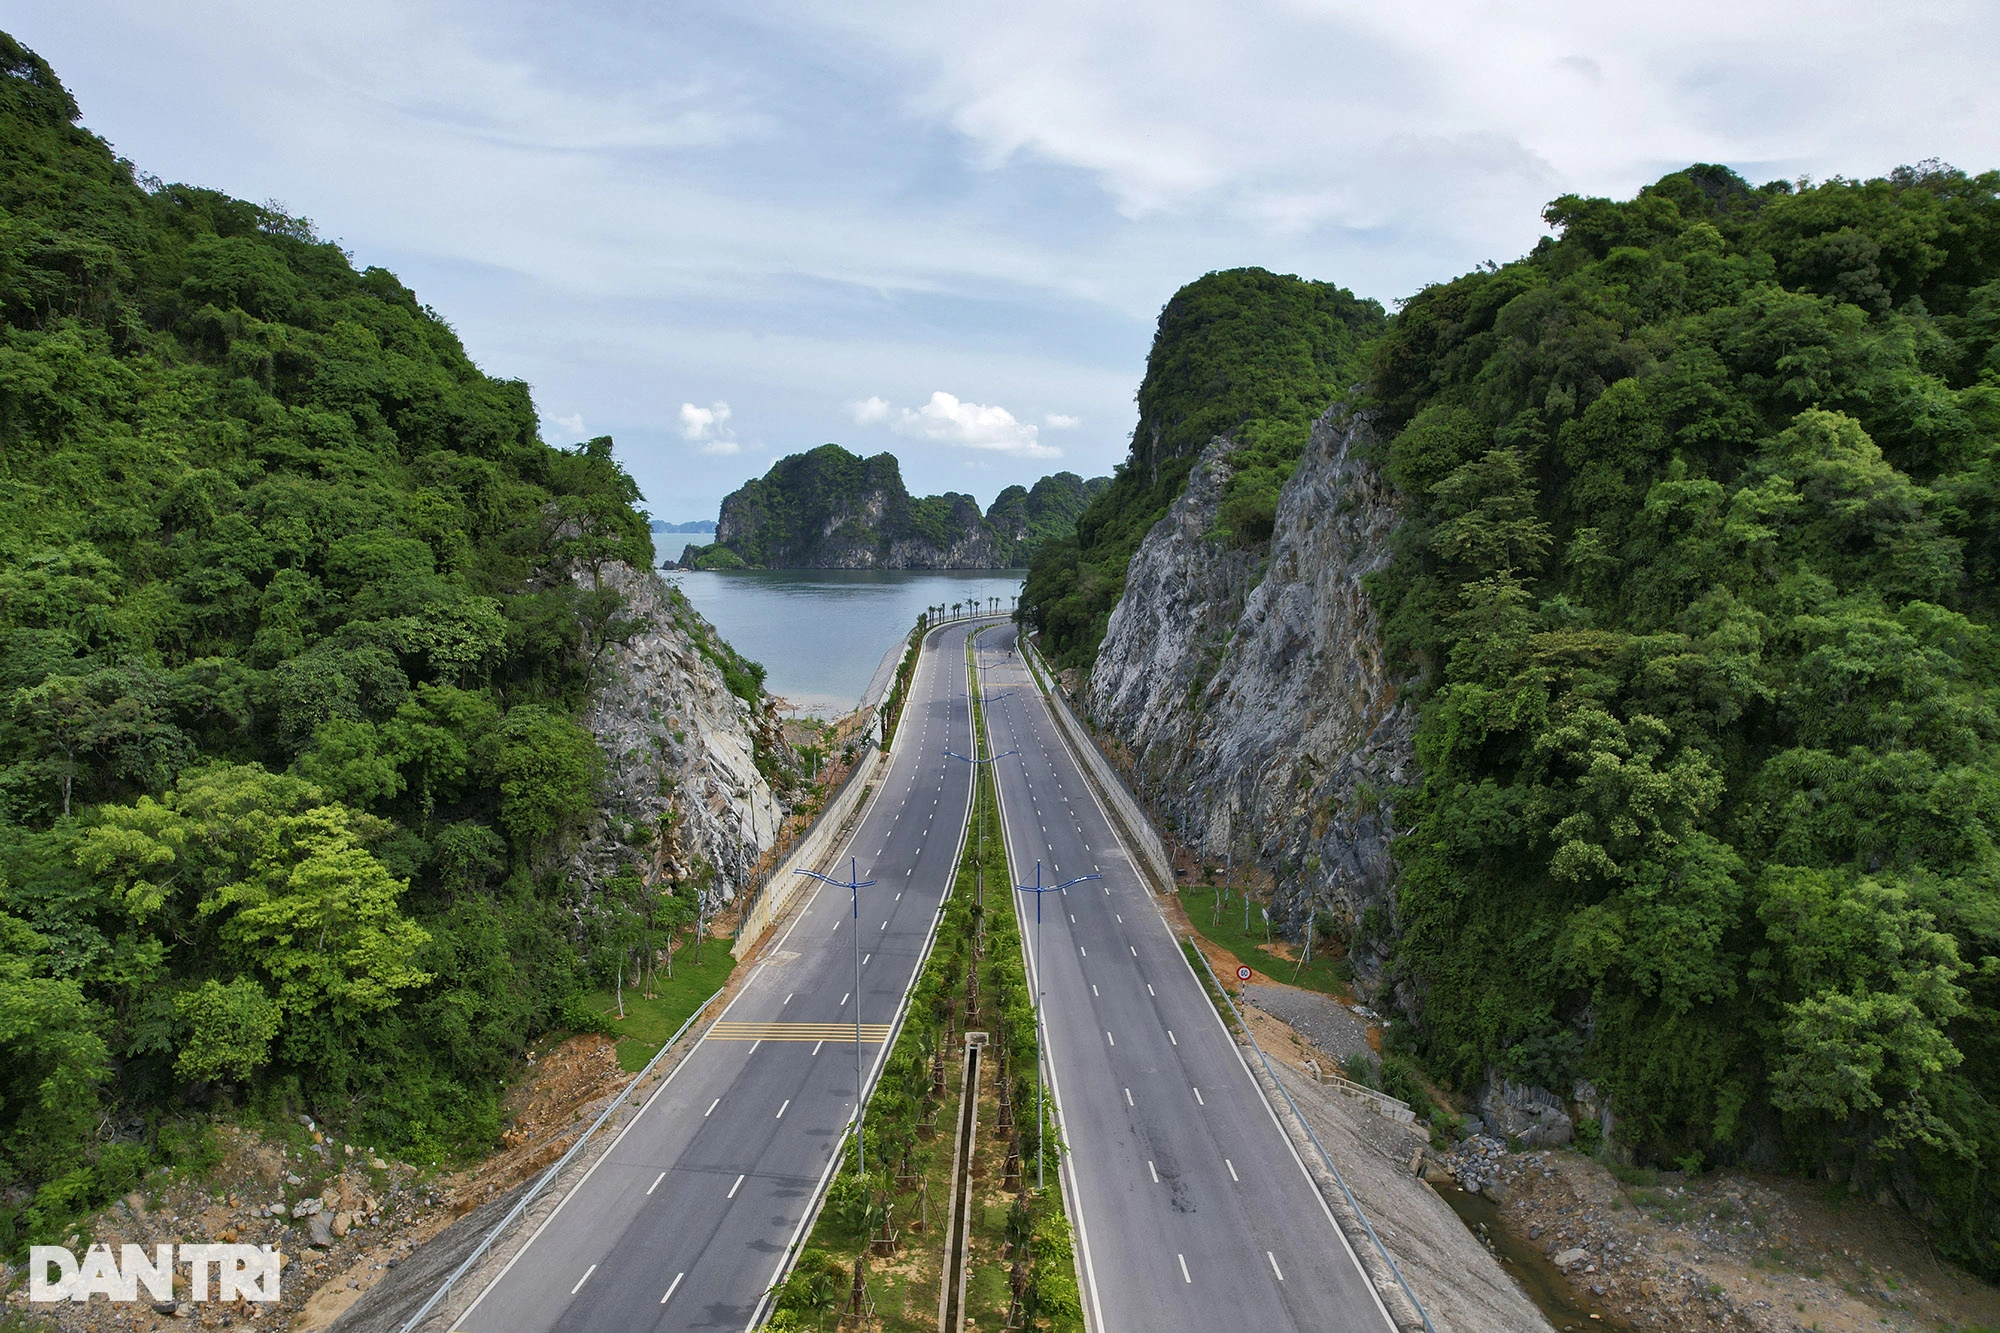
<point>1192,1210</point>
<point>684,1222</point>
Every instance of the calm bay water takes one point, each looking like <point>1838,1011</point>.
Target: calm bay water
<point>820,633</point>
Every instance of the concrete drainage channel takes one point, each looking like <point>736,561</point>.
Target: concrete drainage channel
<point>951,1299</point>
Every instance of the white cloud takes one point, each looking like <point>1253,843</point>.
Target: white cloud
<point>1061,421</point>
<point>949,420</point>
<point>709,428</point>
<point>570,427</point>
<point>869,411</point>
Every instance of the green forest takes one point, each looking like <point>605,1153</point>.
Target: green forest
<point>1244,353</point>
<point>829,508</point>
<point>1698,586</point>
<point>1699,581</point>
<point>290,664</point>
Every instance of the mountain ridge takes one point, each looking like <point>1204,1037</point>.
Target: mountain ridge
<point>828,508</point>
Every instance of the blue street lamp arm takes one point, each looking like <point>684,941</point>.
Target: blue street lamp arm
<point>837,883</point>
<point>968,759</point>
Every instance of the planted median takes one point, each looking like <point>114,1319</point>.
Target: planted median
<point>891,1222</point>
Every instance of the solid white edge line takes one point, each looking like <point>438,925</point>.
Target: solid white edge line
<point>790,1251</point>
<point>1093,1311</point>
<point>1159,913</point>
<point>603,1157</point>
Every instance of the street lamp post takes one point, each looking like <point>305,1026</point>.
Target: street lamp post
<point>854,884</point>
<point>1038,890</point>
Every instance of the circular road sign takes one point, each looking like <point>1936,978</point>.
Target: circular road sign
<point>1243,974</point>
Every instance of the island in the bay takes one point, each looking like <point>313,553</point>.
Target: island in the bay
<point>831,509</point>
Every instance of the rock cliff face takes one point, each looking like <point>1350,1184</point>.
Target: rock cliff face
<point>1251,694</point>
<point>677,745</point>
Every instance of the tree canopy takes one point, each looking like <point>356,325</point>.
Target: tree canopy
<point>291,656</point>
<point>1697,581</point>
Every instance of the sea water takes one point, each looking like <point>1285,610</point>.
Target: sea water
<point>820,633</point>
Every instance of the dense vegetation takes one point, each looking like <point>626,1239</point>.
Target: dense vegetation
<point>289,661</point>
<point>830,509</point>
<point>1243,353</point>
<point>1699,579</point>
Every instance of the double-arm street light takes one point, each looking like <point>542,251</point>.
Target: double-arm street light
<point>854,884</point>
<point>1038,889</point>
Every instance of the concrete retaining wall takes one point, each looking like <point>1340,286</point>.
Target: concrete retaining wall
<point>1140,836</point>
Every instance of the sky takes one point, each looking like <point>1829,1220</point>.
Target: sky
<point>726,232</point>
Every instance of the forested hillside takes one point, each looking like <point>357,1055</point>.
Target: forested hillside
<point>1698,581</point>
<point>290,656</point>
<point>1244,353</point>
<point>831,509</point>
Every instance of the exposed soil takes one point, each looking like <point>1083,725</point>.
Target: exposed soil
<point>1727,1250</point>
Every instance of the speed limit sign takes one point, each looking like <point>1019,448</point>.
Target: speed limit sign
<point>1243,974</point>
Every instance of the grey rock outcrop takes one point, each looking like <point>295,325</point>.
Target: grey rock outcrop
<point>1251,695</point>
<point>1533,1116</point>
<point>679,747</point>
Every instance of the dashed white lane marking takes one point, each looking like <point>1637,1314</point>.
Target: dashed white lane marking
<point>1197,1097</point>
<point>1184,1273</point>
<point>1072,918</point>
<point>1149,990</point>
<point>1134,949</point>
<point>865,957</point>
<point>662,1176</point>
<point>788,997</point>
<point>585,1278</point>
<point>1113,1040</point>
<point>1274,1265</point>
<point>733,1188</point>
<point>781,1110</point>
<point>1232,1170</point>
<point>1085,952</point>
<point>1128,1091</point>
<point>1154,1172</point>
<point>816,1046</point>
<point>711,1108</point>
<point>1105,887</point>
<point>1093,989</point>
<point>885,924</point>
<point>754,1045</point>
<point>1121,920</point>
<point>1172,1038</point>
<point>844,999</point>
<point>671,1286</point>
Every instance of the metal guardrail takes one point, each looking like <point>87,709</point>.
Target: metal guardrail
<point>1324,1156</point>
<point>521,1206</point>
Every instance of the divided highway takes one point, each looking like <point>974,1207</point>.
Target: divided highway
<point>684,1222</point>
<point>1192,1210</point>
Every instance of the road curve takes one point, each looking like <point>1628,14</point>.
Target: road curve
<point>684,1222</point>
<point>1192,1209</point>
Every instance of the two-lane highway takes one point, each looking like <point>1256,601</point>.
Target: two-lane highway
<point>684,1222</point>
<point>1192,1209</point>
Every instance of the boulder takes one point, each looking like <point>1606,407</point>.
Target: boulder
<point>319,1231</point>
<point>1568,1259</point>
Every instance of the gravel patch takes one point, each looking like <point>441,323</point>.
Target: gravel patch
<point>1320,1019</point>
